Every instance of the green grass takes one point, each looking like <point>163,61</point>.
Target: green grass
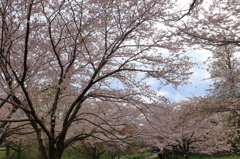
<point>210,157</point>
<point>226,157</point>
<point>32,153</point>
<point>2,154</point>
<point>139,156</point>
<point>213,157</point>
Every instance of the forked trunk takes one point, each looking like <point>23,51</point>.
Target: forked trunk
<point>55,153</point>
<point>56,148</point>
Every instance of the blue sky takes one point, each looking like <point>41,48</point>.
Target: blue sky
<point>198,85</point>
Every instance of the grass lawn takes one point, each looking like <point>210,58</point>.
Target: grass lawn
<point>140,156</point>
<point>213,157</point>
<point>2,154</point>
<point>210,157</point>
<point>227,157</point>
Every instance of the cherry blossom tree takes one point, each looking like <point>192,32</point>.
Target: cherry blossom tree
<point>97,145</point>
<point>224,69</point>
<point>57,57</point>
<point>19,142</point>
<point>179,131</point>
<point>111,128</point>
<point>9,127</point>
<point>211,23</point>
<point>17,136</point>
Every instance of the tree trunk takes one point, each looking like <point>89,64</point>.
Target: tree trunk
<point>55,152</point>
<point>7,150</point>
<point>59,153</point>
<point>42,146</point>
<point>52,148</point>
<point>96,157</point>
<point>19,153</point>
<point>176,156</point>
<point>57,148</point>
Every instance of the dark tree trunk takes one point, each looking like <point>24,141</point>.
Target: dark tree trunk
<point>55,152</point>
<point>19,154</point>
<point>186,156</point>
<point>17,149</point>
<point>42,146</point>
<point>7,150</point>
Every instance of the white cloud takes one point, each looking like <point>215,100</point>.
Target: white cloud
<point>199,75</point>
<point>200,55</point>
<point>163,93</point>
<point>151,81</point>
<point>176,96</point>
<point>198,85</point>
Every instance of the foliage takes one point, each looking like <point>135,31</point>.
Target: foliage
<point>211,24</point>
<point>224,68</point>
<point>30,153</point>
<point>78,69</point>
<point>179,130</point>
